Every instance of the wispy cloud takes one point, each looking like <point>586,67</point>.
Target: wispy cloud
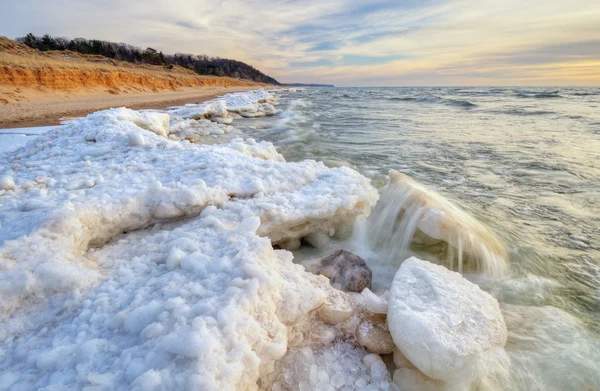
<point>349,42</point>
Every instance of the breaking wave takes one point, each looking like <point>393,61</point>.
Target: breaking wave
<point>438,100</point>
<point>409,216</point>
<point>537,94</point>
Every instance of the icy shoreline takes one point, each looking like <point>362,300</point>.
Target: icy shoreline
<point>134,256</point>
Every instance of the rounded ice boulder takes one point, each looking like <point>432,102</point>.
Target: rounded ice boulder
<point>439,320</point>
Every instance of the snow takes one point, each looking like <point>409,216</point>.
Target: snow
<point>440,321</point>
<point>150,265</point>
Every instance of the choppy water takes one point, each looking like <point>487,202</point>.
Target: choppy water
<point>524,161</point>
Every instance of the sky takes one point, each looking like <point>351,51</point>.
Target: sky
<point>347,42</point>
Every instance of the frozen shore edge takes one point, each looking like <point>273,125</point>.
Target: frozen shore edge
<point>136,258</point>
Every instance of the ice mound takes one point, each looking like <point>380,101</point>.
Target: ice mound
<point>200,305</point>
<point>84,184</point>
<point>342,366</point>
<point>258,103</point>
<point>440,321</point>
<point>409,216</point>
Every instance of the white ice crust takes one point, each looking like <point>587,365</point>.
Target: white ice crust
<point>132,261</point>
<point>441,321</point>
<point>258,103</point>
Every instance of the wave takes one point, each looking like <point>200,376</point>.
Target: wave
<point>409,216</point>
<point>445,101</point>
<point>461,103</point>
<point>537,94</point>
<point>525,112</point>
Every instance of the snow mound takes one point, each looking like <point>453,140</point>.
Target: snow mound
<point>82,185</point>
<point>440,321</point>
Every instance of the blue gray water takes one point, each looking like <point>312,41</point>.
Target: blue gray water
<point>525,161</point>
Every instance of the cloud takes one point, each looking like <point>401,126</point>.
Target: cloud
<point>348,42</point>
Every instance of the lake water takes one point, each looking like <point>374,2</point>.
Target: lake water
<point>524,161</point>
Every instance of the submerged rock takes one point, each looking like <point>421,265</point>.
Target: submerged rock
<point>345,269</point>
<point>441,321</point>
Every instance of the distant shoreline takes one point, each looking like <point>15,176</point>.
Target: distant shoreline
<point>43,109</point>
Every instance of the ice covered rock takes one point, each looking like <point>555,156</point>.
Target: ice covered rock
<point>346,269</point>
<point>440,321</point>
<point>410,216</point>
<point>336,308</point>
<point>373,334</point>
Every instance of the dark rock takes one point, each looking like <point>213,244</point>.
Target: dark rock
<point>345,269</point>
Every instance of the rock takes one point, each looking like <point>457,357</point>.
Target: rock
<point>441,321</point>
<point>373,333</point>
<point>345,269</point>
<point>413,380</point>
<point>336,309</point>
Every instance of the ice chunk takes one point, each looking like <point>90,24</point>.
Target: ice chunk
<point>136,139</point>
<point>373,303</point>
<point>373,333</point>
<point>425,302</point>
<point>7,182</point>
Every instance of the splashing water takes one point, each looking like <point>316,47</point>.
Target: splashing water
<point>410,217</point>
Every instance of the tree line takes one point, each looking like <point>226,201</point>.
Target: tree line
<point>201,64</point>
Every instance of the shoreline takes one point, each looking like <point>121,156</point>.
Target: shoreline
<point>48,108</point>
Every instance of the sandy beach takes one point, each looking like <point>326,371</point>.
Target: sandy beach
<point>38,108</point>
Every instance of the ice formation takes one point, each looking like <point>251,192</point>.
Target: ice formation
<point>409,216</point>
<point>342,366</point>
<point>440,321</point>
<point>129,260</point>
<point>258,103</point>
